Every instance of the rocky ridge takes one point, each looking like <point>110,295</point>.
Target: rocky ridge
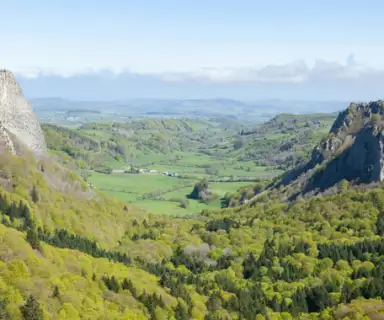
<point>17,119</point>
<point>352,151</point>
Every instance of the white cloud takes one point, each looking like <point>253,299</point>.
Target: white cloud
<point>296,72</point>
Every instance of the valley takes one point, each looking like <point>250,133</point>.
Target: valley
<point>194,218</point>
<point>191,160</point>
<point>117,157</point>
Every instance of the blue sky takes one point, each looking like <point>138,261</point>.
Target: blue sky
<point>218,41</point>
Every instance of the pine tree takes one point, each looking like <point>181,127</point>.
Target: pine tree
<point>3,203</point>
<point>32,310</point>
<point>299,302</point>
<point>380,224</point>
<point>181,313</point>
<point>112,284</point>
<point>33,239</point>
<point>4,314</point>
<point>28,221</point>
<point>125,284</point>
<point>233,303</point>
<point>214,302</point>
<point>12,211</point>
<point>34,194</point>
<point>276,304</point>
<point>249,265</point>
<point>56,292</point>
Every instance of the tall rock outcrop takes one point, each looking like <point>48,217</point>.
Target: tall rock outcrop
<point>17,120</point>
<point>353,151</point>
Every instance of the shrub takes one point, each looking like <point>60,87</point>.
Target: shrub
<point>184,203</point>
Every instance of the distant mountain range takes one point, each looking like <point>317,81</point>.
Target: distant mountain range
<point>255,111</point>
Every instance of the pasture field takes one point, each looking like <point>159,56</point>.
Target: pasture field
<point>158,193</point>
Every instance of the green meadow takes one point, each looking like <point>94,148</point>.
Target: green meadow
<point>163,193</point>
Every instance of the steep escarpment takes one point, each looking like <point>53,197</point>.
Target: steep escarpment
<point>352,151</point>
<point>17,120</point>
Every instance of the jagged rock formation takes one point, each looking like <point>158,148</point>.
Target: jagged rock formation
<point>353,150</point>
<point>17,120</point>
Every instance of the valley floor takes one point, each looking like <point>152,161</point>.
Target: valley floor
<point>162,194</point>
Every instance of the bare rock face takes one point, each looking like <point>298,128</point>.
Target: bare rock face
<point>17,120</point>
<point>353,151</point>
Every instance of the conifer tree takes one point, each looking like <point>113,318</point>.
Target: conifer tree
<point>125,284</point>
<point>31,310</point>
<point>56,292</point>
<point>33,239</point>
<point>4,314</point>
<point>380,224</point>
<point>34,194</point>
<point>181,313</point>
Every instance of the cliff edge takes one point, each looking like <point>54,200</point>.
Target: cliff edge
<point>17,119</point>
<point>352,151</point>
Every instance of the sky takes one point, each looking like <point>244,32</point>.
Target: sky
<point>244,48</point>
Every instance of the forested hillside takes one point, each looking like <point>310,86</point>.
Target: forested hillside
<point>72,253</point>
<point>223,151</point>
<point>112,144</point>
<point>284,141</point>
<point>191,160</point>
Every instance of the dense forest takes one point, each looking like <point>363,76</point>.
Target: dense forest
<point>69,252</point>
<point>284,141</point>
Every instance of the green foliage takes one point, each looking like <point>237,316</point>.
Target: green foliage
<point>4,314</point>
<point>198,189</point>
<point>239,143</point>
<point>284,141</point>
<point>31,310</point>
<point>33,239</point>
<point>192,148</point>
<point>376,118</point>
<point>318,258</point>
<point>34,194</point>
<point>343,185</point>
<point>56,292</point>
<point>184,203</point>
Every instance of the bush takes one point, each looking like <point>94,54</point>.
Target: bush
<point>239,143</point>
<point>200,189</point>
<point>31,309</point>
<point>105,170</point>
<point>184,203</point>
<point>376,118</point>
<point>212,171</point>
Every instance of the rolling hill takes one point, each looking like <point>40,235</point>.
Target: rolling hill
<point>67,251</point>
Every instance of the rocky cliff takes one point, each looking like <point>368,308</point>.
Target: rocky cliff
<point>17,120</point>
<point>353,151</point>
